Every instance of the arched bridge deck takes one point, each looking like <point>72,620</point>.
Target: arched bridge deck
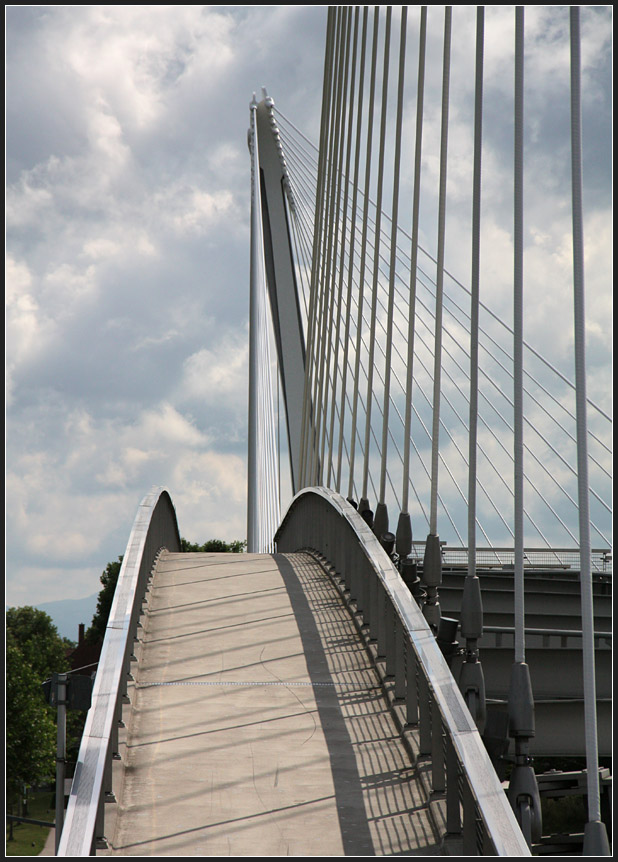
<point>289,703</point>
<point>258,724</point>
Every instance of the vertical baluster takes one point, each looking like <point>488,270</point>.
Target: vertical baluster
<point>391,655</point>
<point>411,687</point>
<point>99,841</point>
<point>373,605</point>
<point>424,709</point>
<point>453,807</point>
<point>487,845</point>
<point>400,659</point>
<point>381,604</point>
<point>438,772</point>
<point>365,589</point>
<point>470,846</point>
<point>356,576</point>
<point>349,561</point>
<point>108,793</point>
<point>114,743</point>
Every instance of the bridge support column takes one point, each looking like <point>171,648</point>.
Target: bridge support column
<point>400,661</point>
<point>408,570</point>
<point>411,688</point>
<point>523,789</point>
<point>365,511</point>
<point>595,839</point>
<point>380,521</point>
<point>453,810</point>
<point>403,535</point>
<point>432,578</point>
<point>471,678</point>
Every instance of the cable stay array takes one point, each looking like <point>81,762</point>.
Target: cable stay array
<point>442,405</point>
<point>551,414</point>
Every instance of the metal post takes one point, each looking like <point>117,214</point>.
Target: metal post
<point>596,841</point>
<point>411,687</point>
<point>255,274</point>
<point>60,754</point>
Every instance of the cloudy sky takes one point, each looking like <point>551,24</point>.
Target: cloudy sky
<point>128,257</point>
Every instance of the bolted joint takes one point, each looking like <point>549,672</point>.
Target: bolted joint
<point>432,562</point>
<point>523,794</point>
<point>447,638</point>
<point>409,574</point>
<point>472,609</point>
<point>404,535</point>
<point>387,540</point>
<point>521,702</point>
<point>472,687</point>
<point>431,608</point>
<point>380,520</point>
<point>596,842</point>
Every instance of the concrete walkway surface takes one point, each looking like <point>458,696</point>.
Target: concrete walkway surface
<point>49,848</point>
<point>258,726</point>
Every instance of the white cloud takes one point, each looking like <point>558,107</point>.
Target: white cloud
<point>139,55</point>
<point>26,202</point>
<point>128,249</point>
<point>196,211</point>
<point>54,522</point>
<point>208,373</point>
<point>211,495</point>
<point>27,330</point>
<point>22,308</point>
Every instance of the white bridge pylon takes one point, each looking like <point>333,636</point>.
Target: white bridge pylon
<point>270,184</point>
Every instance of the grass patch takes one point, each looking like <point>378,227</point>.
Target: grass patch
<point>28,839</point>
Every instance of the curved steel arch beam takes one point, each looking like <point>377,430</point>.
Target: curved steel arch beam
<point>320,520</point>
<point>155,528</point>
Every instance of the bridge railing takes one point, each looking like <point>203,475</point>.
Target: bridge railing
<point>534,558</point>
<point>154,529</point>
<point>477,809</point>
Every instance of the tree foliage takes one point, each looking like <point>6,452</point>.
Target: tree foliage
<point>109,579</point>
<point>35,651</point>
<point>30,724</point>
<point>213,546</point>
<point>37,638</point>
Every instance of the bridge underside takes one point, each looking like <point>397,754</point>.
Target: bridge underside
<point>257,723</point>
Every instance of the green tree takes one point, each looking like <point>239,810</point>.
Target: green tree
<point>35,651</point>
<point>37,639</point>
<point>109,579</point>
<point>213,546</point>
<point>30,726</point>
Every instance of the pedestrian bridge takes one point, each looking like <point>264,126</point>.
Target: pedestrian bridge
<point>316,696</point>
<point>293,703</point>
<point>258,724</point>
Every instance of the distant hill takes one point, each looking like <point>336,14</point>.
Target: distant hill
<point>67,614</point>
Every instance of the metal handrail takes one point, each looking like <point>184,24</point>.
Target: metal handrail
<point>534,558</point>
<point>155,528</point>
<point>477,808</point>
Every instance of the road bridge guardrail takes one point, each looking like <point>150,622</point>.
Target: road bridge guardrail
<point>477,808</point>
<point>155,527</point>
